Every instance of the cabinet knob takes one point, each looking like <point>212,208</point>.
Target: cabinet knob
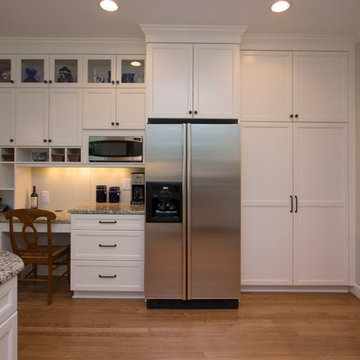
<point>195,112</point>
<point>50,81</point>
<point>50,140</point>
<point>11,140</point>
<point>291,116</point>
<point>45,140</point>
<point>112,123</point>
<point>190,112</point>
<point>45,81</point>
<point>12,81</point>
<point>113,82</point>
<point>296,116</point>
<point>117,123</point>
<point>117,82</point>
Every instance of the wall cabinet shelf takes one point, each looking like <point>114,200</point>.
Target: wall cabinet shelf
<point>301,86</point>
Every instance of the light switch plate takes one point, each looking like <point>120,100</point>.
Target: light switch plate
<point>45,196</point>
<point>126,184</point>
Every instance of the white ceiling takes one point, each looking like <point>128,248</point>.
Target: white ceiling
<point>84,18</point>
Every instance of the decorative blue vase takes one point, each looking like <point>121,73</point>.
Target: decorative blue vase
<point>30,75</point>
<point>128,78</point>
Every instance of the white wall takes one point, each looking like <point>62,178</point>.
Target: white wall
<point>357,66</point>
<point>71,187</point>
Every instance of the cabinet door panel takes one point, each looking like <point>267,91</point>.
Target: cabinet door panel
<point>99,108</point>
<point>7,118</point>
<point>321,86</point>
<point>32,116</point>
<point>321,184</point>
<point>130,109</point>
<point>169,80</point>
<point>216,79</point>
<point>65,117</point>
<point>8,338</point>
<point>266,85</point>
<point>266,181</point>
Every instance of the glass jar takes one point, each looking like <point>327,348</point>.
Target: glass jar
<point>114,194</point>
<point>101,191</point>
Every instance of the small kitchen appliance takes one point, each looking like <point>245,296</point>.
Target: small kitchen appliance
<point>137,188</point>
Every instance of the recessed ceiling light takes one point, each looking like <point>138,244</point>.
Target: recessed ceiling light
<point>280,6</point>
<point>135,63</point>
<point>109,5</point>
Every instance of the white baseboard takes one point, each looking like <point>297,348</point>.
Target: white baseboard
<point>107,295</point>
<point>296,289</point>
<point>355,290</point>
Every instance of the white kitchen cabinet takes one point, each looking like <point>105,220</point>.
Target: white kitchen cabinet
<point>7,118</point>
<point>48,116</point>
<point>303,86</point>
<point>294,204</point>
<point>65,120</point>
<point>107,254</point>
<point>8,320</point>
<point>114,108</point>
<point>321,184</point>
<point>193,81</point>
<point>7,70</point>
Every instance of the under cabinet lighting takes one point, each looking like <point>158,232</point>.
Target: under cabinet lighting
<point>135,63</point>
<point>280,6</point>
<point>109,5</point>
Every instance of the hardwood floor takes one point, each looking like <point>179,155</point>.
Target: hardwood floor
<point>270,326</point>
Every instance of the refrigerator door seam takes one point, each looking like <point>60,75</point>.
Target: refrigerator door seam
<point>188,219</point>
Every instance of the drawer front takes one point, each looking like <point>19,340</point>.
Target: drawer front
<point>107,276</point>
<point>107,245</point>
<point>8,338</point>
<point>8,299</point>
<point>108,222</point>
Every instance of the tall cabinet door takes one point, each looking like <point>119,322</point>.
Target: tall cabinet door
<point>321,86</point>
<point>169,80</point>
<point>65,117</point>
<point>266,220</point>
<point>214,212</point>
<point>32,116</point>
<point>321,185</point>
<point>266,85</point>
<point>7,118</point>
<point>216,81</point>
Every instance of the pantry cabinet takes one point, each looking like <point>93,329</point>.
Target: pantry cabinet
<point>7,118</point>
<point>193,81</point>
<point>302,86</point>
<point>294,204</point>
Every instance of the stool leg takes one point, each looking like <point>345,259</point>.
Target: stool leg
<point>50,281</point>
<point>34,268</point>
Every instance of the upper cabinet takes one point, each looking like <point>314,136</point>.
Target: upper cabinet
<point>103,71</point>
<point>7,70</point>
<point>193,81</point>
<point>299,86</point>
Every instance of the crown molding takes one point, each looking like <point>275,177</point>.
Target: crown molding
<point>260,41</point>
<point>24,45</point>
<point>193,33</point>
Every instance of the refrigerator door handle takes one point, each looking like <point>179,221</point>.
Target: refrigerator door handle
<point>188,198</point>
<point>184,230</point>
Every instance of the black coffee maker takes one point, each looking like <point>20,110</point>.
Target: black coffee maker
<point>137,188</point>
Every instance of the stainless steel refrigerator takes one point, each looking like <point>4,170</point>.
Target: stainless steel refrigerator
<point>192,239</point>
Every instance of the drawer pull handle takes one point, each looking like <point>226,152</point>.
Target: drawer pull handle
<point>107,276</point>
<point>112,246</point>
<point>107,222</point>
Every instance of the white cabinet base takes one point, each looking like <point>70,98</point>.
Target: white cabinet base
<point>8,338</point>
<point>108,295</point>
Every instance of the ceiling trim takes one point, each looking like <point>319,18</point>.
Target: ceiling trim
<point>24,45</point>
<point>229,34</point>
<point>259,41</point>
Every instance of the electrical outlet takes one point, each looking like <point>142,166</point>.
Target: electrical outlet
<point>45,196</point>
<point>126,184</point>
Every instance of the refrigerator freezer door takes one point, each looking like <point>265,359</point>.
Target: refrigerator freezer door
<point>165,243</point>
<point>214,218</point>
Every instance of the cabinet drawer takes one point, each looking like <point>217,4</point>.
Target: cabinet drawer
<point>107,245</point>
<point>8,299</point>
<point>8,338</point>
<point>107,222</point>
<point>107,275</point>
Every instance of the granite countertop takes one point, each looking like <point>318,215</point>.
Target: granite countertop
<point>10,266</point>
<point>62,217</point>
<point>122,208</point>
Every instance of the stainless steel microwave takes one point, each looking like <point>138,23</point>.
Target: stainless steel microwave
<point>115,148</point>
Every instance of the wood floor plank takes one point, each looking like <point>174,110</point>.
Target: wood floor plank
<point>271,326</point>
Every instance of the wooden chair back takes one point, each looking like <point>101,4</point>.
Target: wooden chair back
<point>28,217</point>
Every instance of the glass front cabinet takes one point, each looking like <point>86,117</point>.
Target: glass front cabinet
<point>7,70</point>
